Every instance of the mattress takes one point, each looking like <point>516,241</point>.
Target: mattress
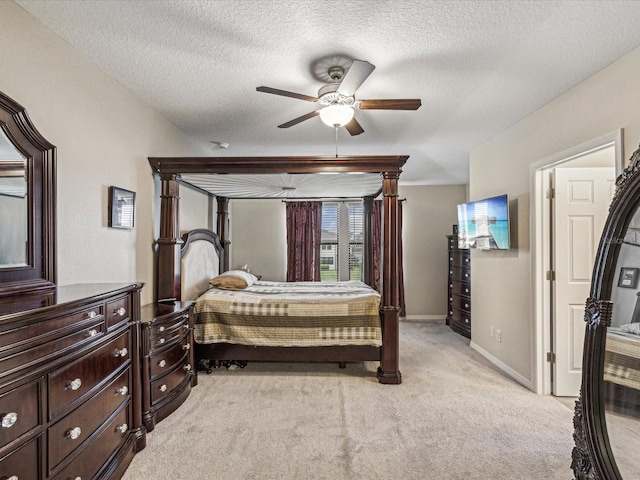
<point>290,314</point>
<point>622,358</point>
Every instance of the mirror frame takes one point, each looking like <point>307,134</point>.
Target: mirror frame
<point>592,457</point>
<point>40,272</point>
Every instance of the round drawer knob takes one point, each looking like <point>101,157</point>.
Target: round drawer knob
<point>122,390</point>
<point>161,329</point>
<point>73,433</point>
<point>466,275</point>
<point>121,311</point>
<point>187,368</point>
<point>74,384</point>
<point>466,290</point>
<point>162,388</point>
<point>185,327</point>
<point>9,419</point>
<point>162,340</point>
<point>121,352</point>
<point>93,332</point>
<point>466,320</point>
<point>466,305</point>
<point>162,363</point>
<point>122,428</point>
<point>186,346</point>
<point>91,314</point>
<point>12,477</point>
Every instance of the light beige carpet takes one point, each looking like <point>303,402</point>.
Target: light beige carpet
<point>455,416</point>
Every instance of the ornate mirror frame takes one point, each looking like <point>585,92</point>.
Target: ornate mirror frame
<point>39,273</point>
<point>592,456</point>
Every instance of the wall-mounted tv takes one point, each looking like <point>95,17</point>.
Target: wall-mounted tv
<point>484,224</point>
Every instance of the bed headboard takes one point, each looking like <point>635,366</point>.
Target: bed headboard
<point>201,259</point>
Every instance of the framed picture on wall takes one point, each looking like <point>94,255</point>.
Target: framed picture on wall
<point>628,277</point>
<point>122,208</point>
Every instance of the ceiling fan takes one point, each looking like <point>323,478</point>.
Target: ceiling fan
<point>337,98</point>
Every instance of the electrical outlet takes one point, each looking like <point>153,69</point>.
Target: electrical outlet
<point>498,335</point>
<point>491,332</point>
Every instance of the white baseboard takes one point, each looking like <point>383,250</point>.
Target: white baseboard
<point>505,368</point>
<point>425,317</point>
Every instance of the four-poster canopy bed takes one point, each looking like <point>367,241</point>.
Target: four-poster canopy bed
<point>179,277</point>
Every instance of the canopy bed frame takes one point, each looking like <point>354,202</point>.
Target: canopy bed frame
<point>170,244</point>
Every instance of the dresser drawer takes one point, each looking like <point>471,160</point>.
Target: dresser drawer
<point>71,431</point>
<point>164,361</point>
<point>460,317</point>
<point>72,381</point>
<point>117,311</point>
<point>459,288</point>
<point>43,331</point>
<point>20,411</point>
<point>23,463</point>
<point>170,330</point>
<point>460,274</point>
<point>461,303</point>
<point>163,386</point>
<point>459,259</point>
<point>49,349</point>
<point>88,463</point>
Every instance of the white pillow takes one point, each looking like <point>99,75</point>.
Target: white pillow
<point>631,328</point>
<point>233,280</point>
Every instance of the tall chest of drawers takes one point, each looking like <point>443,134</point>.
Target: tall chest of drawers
<point>70,397</point>
<point>168,362</point>
<point>459,288</point>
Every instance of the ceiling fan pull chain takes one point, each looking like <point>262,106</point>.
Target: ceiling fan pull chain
<point>336,127</point>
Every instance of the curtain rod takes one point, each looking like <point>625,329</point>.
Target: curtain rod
<point>335,200</point>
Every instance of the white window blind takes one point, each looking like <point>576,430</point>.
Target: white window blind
<point>341,251</point>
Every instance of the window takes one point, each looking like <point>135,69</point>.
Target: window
<point>341,241</point>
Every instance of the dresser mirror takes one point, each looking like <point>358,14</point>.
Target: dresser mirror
<point>27,204</point>
<point>607,415</point>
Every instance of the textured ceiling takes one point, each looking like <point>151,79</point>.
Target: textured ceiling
<point>478,66</point>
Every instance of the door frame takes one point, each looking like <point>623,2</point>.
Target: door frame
<point>541,249</point>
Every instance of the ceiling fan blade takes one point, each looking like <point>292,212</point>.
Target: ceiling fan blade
<point>398,104</point>
<point>353,127</point>
<point>296,121</point>
<point>358,72</point>
<point>284,93</point>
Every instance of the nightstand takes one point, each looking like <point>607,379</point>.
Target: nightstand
<point>168,371</point>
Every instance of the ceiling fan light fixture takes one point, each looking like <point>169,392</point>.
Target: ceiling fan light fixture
<point>336,115</point>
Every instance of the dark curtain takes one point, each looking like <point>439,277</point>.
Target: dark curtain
<point>304,221</point>
<point>377,242</point>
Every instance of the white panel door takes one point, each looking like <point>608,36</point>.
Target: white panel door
<point>582,198</point>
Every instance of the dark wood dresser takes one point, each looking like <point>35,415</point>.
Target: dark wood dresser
<point>70,402</point>
<point>459,298</point>
<point>168,366</point>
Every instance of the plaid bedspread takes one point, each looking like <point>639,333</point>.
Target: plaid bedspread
<point>622,359</point>
<point>290,314</point>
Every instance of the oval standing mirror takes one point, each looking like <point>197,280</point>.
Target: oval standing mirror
<point>607,415</point>
<point>27,204</point>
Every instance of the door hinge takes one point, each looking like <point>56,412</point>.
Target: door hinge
<point>551,275</point>
<point>551,193</point>
<point>551,357</point>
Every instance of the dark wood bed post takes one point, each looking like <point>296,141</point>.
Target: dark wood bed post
<point>169,242</point>
<point>389,369</point>
<point>367,227</point>
<point>222,223</point>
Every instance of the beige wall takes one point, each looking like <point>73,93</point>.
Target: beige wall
<point>258,235</point>
<point>427,217</point>
<point>501,281</point>
<point>103,135</point>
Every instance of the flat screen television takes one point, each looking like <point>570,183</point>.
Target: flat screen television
<point>484,224</point>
